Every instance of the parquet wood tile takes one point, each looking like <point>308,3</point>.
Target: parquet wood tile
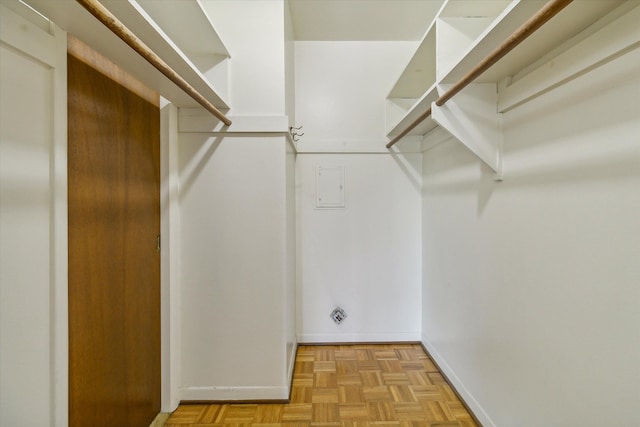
<point>418,378</point>
<point>349,379</point>
<point>350,394</point>
<point>345,354</point>
<point>347,386</point>
<point>428,366</point>
<point>324,366</point>
<point>295,412</point>
<point>301,394</point>
<point>382,411</point>
<point>354,412</point>
<point>410,411</point>
<point>427,392</point>
<point>303,367</point>
<point>390,366</point>
<point>269,413</point>
<point>395,378</point>
<point>211,413</point>
<point>303,380</point>
<point>377,394</point>
<point>325,379</point>
<point>325,395</point>
<point>346,366</point>
<point>371,378</point>
<point>368,365</point>
<point>402,393</point>
<point>325,412</point>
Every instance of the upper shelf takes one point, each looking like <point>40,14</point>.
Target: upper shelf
<point>465,32</point>
<point>420,73</point>
<point>172,15</point>
<point>574,19</point>
<point>73,18</point>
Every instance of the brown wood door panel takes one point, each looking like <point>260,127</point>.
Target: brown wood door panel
<point>114,269</point>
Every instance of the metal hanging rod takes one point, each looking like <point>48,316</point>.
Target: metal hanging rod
<point>548,11</point>
<point>119,29</point>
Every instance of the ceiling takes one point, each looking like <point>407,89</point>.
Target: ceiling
<point>356,20</point>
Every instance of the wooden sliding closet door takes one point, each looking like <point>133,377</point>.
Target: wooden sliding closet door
<point>114,267</point>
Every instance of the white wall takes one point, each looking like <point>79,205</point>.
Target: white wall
<point>253,31</point>
<point>531,300</point>
<point>366,257</point>
<point>233,267</point>
<point>26,241</point>
<point>289,289</point>
<point>33,224</point>
<point>290,66</point>
<point>237,218</point>
<point>341,88</point>
<point>170,257</point>
<point>290,178</point>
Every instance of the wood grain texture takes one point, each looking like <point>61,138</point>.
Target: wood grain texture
<point>350,386</point>
<point>89,56</point>
<point>114,269</point>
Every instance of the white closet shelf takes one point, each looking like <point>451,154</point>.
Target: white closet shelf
<point>420,72</point>
<point>73,18</point>
<point>458,28</point>
<point>574,19</point>
<point>200,38</point>
<point>418,107</point>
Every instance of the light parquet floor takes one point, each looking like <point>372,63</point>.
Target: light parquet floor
<point>394,385</point>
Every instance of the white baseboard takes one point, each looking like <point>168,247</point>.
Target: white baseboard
<point>468,398</point>
<point>246,392</point>
<point>235,393</point>
<point>354,338</point>
<point>291,366</point>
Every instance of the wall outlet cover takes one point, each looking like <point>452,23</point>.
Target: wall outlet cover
<point>338,315</point>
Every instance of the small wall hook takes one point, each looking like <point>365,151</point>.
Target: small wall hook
<point>295,133</point>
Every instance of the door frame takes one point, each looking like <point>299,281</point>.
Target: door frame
<point>169,258</point>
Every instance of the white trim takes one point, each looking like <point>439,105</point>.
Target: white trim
<point>170,258</point>
<point>466,395</point>
<point>409,144</point>
<point>291,367</point>
<point>235,393</point>
<point>27,37</point>
<point>355,338</point>
<point>60,242</point>
<point>200,120</point>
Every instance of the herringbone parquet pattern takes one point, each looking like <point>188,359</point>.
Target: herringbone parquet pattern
<point>348,386</point>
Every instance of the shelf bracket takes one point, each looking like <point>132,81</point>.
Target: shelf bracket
<point>472,118</point>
